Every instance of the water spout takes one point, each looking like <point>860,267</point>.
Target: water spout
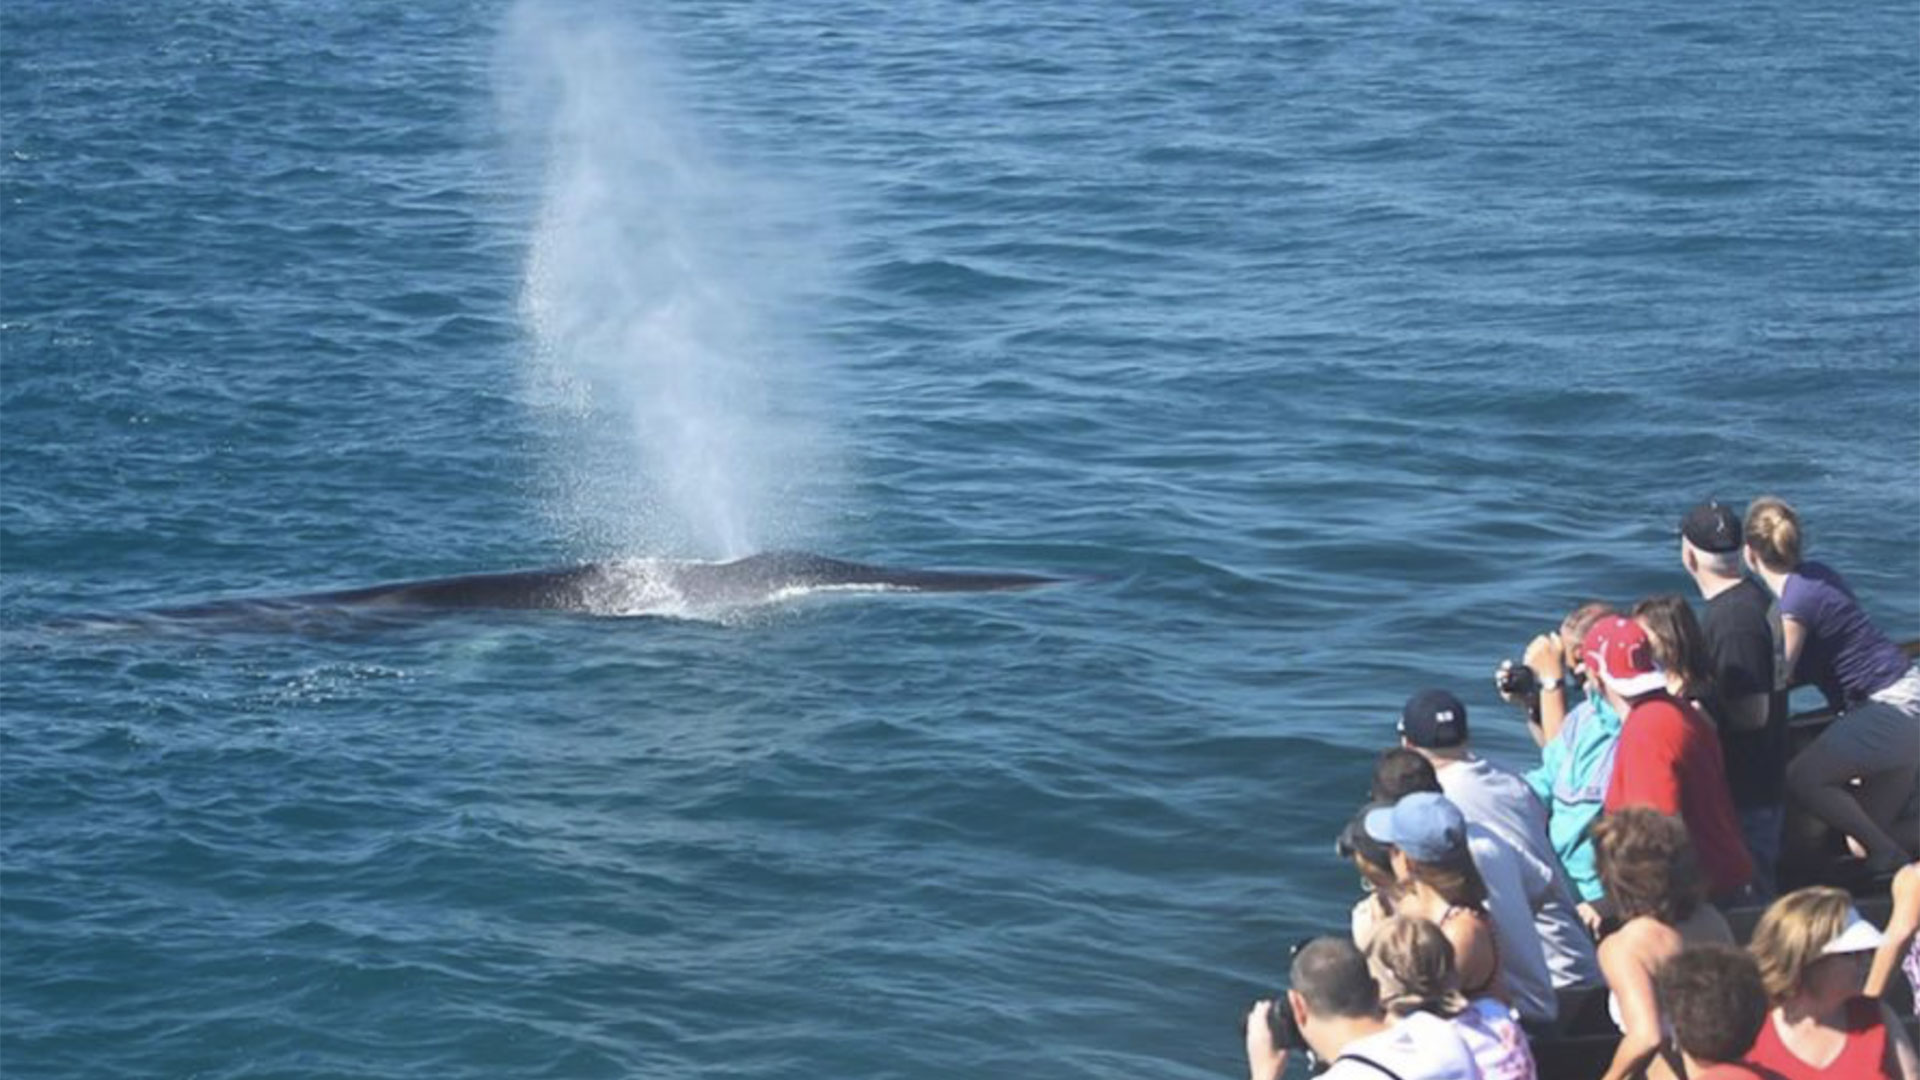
<point>663,352</point>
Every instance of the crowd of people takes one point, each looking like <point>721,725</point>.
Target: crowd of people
<point>1658,804</point>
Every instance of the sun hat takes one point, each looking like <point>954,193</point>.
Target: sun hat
<point>1617,650</point>
<point>1858,935</point>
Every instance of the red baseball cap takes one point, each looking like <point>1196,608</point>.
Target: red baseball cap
<point>1617,650</point>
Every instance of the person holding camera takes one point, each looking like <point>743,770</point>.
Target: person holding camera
<point>1576,745</point>
<point>1332,1010</point>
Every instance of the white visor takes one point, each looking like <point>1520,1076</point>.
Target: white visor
<point>1858,935</point>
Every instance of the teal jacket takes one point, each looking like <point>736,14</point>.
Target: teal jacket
<point>1572,781</point>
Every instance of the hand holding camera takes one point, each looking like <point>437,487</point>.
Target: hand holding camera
<point>1516,682</point>
<point>1542,666</point>
<point>1271,1032</point>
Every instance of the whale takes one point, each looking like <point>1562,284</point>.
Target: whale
<point>597,586</point>
<point>631,587</point>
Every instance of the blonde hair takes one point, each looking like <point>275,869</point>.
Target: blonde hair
<point>1413,962</point>
<point>1573,628</point>
<point>1773,534</point>
<point>1791,933</point>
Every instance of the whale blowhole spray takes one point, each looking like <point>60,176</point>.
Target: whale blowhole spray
<point>666,359</point>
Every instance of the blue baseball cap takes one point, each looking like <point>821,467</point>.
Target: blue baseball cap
<point>1426,826</point>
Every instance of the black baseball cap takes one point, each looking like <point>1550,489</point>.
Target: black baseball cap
<point>1712,527</point>
<point>1434,719</point>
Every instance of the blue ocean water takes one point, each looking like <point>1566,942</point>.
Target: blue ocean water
<point>1331,349</point>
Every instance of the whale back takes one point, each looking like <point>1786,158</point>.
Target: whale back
<point>562,588</point>
<point>630,587</point>
<point>801,568</point>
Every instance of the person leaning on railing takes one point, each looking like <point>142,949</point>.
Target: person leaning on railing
<point>1434,724</point>
<point>1741,651</point>
<point>1428,838</point>
<point>1512,882</point>
<point>1828,640</point>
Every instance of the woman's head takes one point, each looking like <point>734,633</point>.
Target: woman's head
<point>1373,859</point>
<point>1428,835</point>
<point>1413,962</point>
<point>1679,645</point>
<point>1452,876</point>
<point>1647,865</point>
<point>1773,535</point>
<point>1813,943</point>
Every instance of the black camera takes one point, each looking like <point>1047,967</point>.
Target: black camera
<point>1281,1025</point>
<point>1516,680</point>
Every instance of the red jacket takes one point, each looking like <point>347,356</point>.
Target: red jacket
<point>1669,759</point>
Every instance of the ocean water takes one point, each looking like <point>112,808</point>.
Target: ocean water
<point>1329,351</point>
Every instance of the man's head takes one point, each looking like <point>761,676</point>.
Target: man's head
<point>1714,1000</point>
<point>1400,772</point>
<point>1434,722</point>
<point>1331,989</point>
<point>1620,655</point>
<point>1710,541</point>
<point>1573,635</point>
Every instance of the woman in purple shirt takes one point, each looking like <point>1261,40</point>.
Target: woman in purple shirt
<point>1829,641</point>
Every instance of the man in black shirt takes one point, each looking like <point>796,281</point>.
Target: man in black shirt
<point>1742,646</point>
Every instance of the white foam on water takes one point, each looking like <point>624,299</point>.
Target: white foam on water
<point>640,587</point>
<point>649,587</point>
<point>668,355</point>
